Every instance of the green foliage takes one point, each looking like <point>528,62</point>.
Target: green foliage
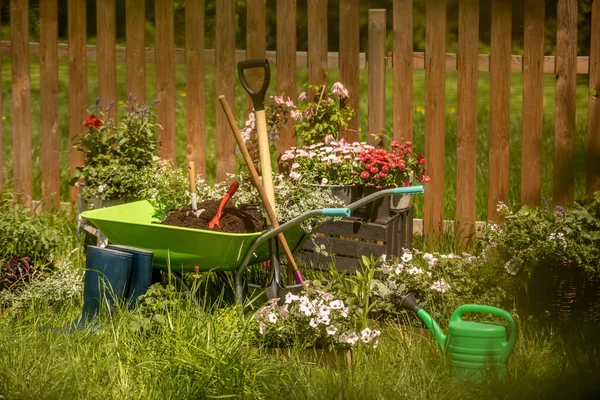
<point>41,238</point>
<point>322,115</point>
<point>537,237</point>
<point>167,189</point>
<point>117,154</point>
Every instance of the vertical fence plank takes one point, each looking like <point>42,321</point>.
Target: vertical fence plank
<point>349,61</point>
<point>435,87</point>
<point>225,80</point>
<point>194,77</point>
<point>165,75</point>
<point>403,70</point>
<point>466,149</point>
<point>533,97</point>
<point>593,148</point>
<point>77,80</point>
<point>286,63</point>
<point>21,98</point>
<point>499,106</point>
<point>317,42</point>
<point>255,41</point>
<point>135,42</point>
<point>106,54</point>
<point>50,151</point>
<point>566,84</point>
<point>376,64</point>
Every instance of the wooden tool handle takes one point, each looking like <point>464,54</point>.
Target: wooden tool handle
<point>259,187</point>
<point>192,176</point>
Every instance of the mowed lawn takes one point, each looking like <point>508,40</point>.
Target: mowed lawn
<point>240,109</point>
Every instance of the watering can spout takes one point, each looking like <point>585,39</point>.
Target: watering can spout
<point>409,302</point>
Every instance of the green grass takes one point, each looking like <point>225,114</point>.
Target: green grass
<point>240,107</point>
<point>197,354</point>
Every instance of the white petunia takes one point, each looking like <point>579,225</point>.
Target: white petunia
<point>331,330</point>
<point>440,286</point>
<point>352,338</point>
<point>272,318</point>
<point>407,257</point>
<point>314,322</point>
<point>336,304</point>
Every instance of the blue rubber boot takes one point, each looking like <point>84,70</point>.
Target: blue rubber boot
<point>106,275</point>
<point>140,277</point>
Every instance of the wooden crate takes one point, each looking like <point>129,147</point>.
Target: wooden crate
<point>347,240</point>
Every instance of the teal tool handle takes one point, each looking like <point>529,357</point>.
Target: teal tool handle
<point>498,312</point>
<point>409,190</point>
<point>336,212</point>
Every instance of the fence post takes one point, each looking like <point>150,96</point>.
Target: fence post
<point>466,141</point>
<point>77,81</point>
<point>136,49</point>
<point>165,76</point>
<point>350,62</point>
<point>533,97</point>
<point>286,64</point>
<point>49,151</point>
<point>499,106</point>
<point>403,70</point>
<point>593,139</point>
<point>317,42</point>
<point>376,65</point>
<point>194,84</point>
<point>21,99</point>
<point>225,81</point>
<point>106,58</point>
<point>435,112</point>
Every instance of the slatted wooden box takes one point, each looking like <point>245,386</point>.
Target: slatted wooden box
<point>347,240</point>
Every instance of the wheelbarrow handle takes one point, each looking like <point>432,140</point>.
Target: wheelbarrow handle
<point>258,97</point>
<point>336,212</point>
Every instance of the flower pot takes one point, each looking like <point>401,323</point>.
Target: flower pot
<point>347,193</point>
<point>377,210</point>
<point>400,202</point>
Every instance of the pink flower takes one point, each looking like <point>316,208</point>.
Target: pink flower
<point>302,96</point>
<point>339,90</point>
<point>365,175</point>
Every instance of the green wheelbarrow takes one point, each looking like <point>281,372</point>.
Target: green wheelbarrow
<point>180,249</point>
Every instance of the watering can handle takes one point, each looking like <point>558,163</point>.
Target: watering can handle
<point>498,312</point>
<point>258,97</point>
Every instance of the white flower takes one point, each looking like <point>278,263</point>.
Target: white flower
<point>261,328</point>
<point>385,269</point>
<point>290,298</point>
<point>376,344</point>
<point>399,269</point>
<point>272,318</point>
<point>440,286</point>
<point>336,304</point>
<point>324,181</point>
<point>331,330</point>
<point>344,312</point>
<point>427,256</point>
<point>101,188</point>
<point>325,319</point>
<point>295,165</point>
<point>324,311</point>
<point>295,176</point>
<point>414,271</point>
<point>284,311</point>
<point>406,257</point>
<point>306,309</point>
<point>559,238</point>
<point>365,335</point>
<point>326,296</point>
<point>501,207</point>
<point>352,338</point>
<point>343,338</point>
<point>314,322</point>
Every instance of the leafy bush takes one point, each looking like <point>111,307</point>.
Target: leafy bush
<point>57,289</point>
<point>536,237</point>
<point>167,188</point>
<point>314,318</point>
<point>116,153</point>
<point>24,235</point>
<point>440,281</point>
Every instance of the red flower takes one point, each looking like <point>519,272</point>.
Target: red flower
<point>369,166</point>
<point>92,121</point>
<point>394,143</point>
<point>422,161</point>
<point>196,268</point>
<point>425,178</point>
<point>374,170</point>
<point>365,175</point>
<point>385,169</point>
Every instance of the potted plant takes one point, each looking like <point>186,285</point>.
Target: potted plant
<point>118,154</point>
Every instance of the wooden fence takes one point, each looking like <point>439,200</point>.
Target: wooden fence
<point>566,65</point>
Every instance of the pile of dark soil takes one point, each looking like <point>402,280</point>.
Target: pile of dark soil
<point>233,220</point>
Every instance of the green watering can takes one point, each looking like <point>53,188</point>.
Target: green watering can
<point>476,349</point>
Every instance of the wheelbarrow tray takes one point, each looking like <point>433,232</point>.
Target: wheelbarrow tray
<point>179,248</point>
